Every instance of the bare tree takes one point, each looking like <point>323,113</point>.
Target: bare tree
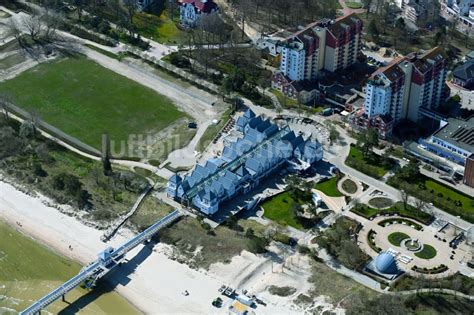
<point>404,196</point>
<point>33,25</point>
<point>35,120</point>
<point>420,205</point>
<point>51,21</point>
<point>14,29</point>
<point>4,101</point>
<point>131,7</point>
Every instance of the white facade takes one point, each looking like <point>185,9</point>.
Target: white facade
<point>378,96</point>
<point>188,14</point>
<point>293,61</point>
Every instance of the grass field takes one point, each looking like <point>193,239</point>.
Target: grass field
<point>329,187</point>
<point>29,270</point>
<point>279,209</point>
<point>84,99</point>
<point>396,238</point>
<point>334,285</point>
<point>149,212</point>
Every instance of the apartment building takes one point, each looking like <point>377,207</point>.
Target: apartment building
<point>324,45</point>
<point>343,43</point>
<point>460,12</point>
<point>408,88</point>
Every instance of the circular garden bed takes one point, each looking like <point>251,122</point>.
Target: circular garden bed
<point>396,238</point>
<point>380,202</point>
<point>349,186</point>
<point>427,252</point>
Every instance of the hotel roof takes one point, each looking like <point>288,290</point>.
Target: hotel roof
<point>392,71</point>
<point>341,24</point>
<point>425,61</point>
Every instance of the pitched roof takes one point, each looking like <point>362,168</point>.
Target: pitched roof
<point>207,194</point>
<point>241,171</point>
<point>249,113</point>
<point>212,166</point>
<point>270,131</point>
<point>204,172</point>
<point>392,71</point>
<point>254,122</point>
<point>465,71</point>
<point>425,61</point>
<point>241,121</point>
<point>263,125</point>
<point>175,179</point>
<point>203,6</point>
<point>342,23</point>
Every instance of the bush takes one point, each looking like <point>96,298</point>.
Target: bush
<point>282,238</point>
<point>179,61</point>
<point>302,249</point>
<point>258,245</point>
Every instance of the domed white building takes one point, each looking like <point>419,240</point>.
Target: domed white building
<point>384,266</point>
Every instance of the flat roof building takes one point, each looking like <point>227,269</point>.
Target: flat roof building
<point>454,140</point>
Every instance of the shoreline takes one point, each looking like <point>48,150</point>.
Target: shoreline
<point>150,280</point>
<point>9,215</point>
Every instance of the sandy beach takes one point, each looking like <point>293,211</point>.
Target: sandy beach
<point>151,280</point>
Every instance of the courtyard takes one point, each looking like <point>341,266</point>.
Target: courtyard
<point>415,246</point>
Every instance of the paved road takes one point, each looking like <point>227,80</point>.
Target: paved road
<point>337,158</point>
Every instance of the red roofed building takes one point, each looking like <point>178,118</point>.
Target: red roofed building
<point>192,10</point>
<point>323,45</point>
<point>408,88</point>
<point>343,42</point>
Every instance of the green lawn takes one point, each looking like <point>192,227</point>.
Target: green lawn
<point>372,165</point>
<point>398,208</point>
<point>279,209</point>
<point>84,99</point>
<point>427,252</point>
<point>442,196</point>
<point>353,5</point>
<point>159,28</point>
<point>329,187</point>
<point>397,237</point>
<point>285,101</point>
<point>451,194</point>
